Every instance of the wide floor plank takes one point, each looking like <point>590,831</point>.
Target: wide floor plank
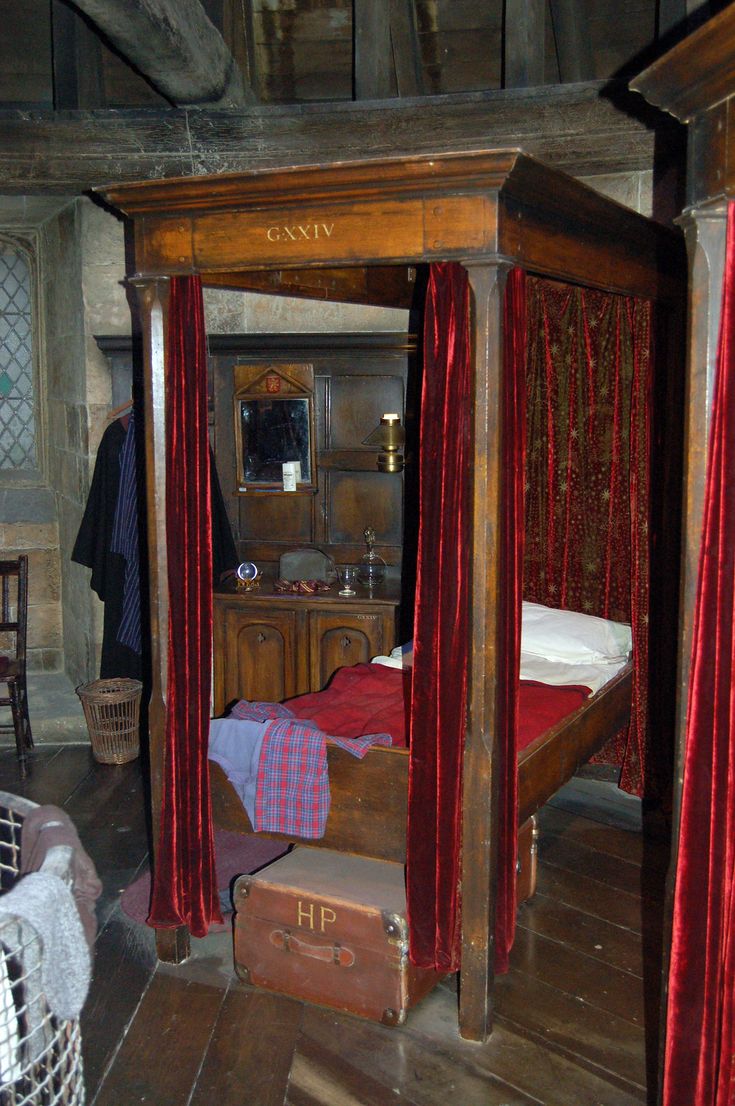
<point>124,960</point>
<point>611,1047</point>
<point>397,1065</point>
<point>250,1053</point>
<point>161,1055</point>
<point>583,977</point>
<point>602,940</point>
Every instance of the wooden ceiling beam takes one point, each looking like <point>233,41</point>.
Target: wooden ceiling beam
<point>76,61</point>
<point>523,43</point>
<point>175,47</point>
<point>573,129</point>
<point>373,60</point>
<point>570,21</point>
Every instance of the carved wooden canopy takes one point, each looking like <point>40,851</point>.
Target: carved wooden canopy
<point>473,207</point>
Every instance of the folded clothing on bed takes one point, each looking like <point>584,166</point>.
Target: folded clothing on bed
<point>277,763</point>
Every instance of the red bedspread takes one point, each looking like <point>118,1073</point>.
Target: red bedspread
<point>372,698</point>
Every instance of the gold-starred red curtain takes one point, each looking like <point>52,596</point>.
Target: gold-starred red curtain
<point>587,474</point>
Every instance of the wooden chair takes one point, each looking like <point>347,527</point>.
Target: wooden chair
<point>13,621</point>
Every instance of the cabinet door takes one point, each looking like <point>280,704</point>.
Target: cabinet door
<point>337,639</point>
<point>255,655</point>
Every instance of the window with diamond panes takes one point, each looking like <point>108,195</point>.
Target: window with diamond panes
<point>17,421</point>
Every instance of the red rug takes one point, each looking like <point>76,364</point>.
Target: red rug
<point>234,855</point>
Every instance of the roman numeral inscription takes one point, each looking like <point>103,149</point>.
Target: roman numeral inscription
<point>297,232</point>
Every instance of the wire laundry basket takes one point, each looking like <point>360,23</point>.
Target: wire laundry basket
<point>40,1054</point>
<point>112,710</point>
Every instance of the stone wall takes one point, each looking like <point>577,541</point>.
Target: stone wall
<point>93,261</point>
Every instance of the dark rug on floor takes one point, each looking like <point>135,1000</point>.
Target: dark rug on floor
<point>234,855</point>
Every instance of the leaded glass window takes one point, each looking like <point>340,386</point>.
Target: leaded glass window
<point>17,416</point>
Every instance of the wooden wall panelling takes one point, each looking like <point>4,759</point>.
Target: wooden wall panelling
<point>356,379</point>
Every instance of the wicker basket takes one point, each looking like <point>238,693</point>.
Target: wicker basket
<point>40,1054</point>
<point>112,711</point>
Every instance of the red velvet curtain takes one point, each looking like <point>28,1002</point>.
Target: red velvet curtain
<point>441,625</point>
<point>184,885</point>
<point>441,632</point>
<point>587,517</point>
<point>699,1066</point>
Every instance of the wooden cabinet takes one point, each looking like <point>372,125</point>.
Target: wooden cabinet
<point>269,646</point>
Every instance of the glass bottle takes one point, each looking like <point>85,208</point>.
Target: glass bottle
<point>372,566</point>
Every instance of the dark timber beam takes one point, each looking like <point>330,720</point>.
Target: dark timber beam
<point>576,129</point>
<point>372,54</point>
<point>77,66</point>
<point>523,43</point>
<point>406,49</point>
<point>570,20</point>
<point>175,46</point>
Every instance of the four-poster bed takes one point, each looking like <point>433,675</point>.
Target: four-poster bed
<point>493,211</point>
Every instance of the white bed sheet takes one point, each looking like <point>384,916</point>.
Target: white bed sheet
<point>542,669</point>
<point>545,671</point>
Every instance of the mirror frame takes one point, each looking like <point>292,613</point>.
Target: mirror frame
<point>274,382</point>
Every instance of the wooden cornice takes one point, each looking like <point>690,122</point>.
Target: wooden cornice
<point>696,74</point>
<point>469,207</point>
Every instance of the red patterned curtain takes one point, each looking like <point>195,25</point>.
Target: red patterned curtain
<point>441,630</point>
<point>699,1066</point>
<point>587,521</point>
<point>185,886</point>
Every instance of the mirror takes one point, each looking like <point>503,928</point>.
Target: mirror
<point>272,429</point>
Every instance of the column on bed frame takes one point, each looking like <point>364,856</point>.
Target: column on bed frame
<point>172,945</point>
<point>480,789</point>
<point>705,233</point>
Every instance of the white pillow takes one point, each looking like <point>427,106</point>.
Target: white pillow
<point>573,637</point>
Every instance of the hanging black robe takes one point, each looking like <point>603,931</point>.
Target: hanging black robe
<point>93,549</point>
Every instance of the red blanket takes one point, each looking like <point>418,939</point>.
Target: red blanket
<point>372,698</point>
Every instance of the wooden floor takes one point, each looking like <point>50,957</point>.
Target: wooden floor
<point>576,1015</point>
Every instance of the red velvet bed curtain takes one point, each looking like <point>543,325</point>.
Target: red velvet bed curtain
<point>588,471</point>
<point>699,1066</point>
<point>441,625</point>
<point>184,885</point>
<point>442,620</point>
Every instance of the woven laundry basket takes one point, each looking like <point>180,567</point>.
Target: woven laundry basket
<point>112,711</point>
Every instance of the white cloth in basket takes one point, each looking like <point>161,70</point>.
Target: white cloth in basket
<point>47,904</point>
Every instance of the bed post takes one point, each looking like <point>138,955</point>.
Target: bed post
<point>705,234</point>
<point>172,945</point>
<point>480,780</point>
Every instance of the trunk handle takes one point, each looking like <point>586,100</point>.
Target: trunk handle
<point>334,953</point>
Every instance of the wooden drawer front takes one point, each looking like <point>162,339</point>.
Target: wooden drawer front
<point>260,656</point>
<point>338,639</point>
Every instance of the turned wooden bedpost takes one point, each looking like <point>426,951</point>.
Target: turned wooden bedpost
<point>480,778</point>
<point>172,945</point>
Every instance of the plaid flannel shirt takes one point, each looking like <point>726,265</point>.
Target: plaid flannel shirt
<point>292,794</point>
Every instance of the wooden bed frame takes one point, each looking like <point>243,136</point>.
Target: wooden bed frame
<point>490,210</point>
<point>368,809</point>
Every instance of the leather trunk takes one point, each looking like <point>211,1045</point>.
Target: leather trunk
<point>329,928</point>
